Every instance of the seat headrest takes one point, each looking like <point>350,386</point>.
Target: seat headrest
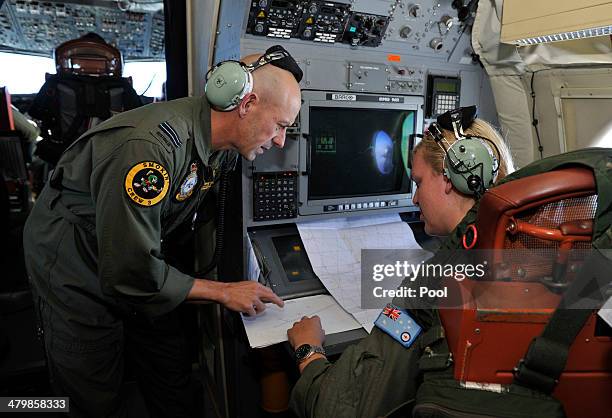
<point>88,56</point>
<point>526,193</point>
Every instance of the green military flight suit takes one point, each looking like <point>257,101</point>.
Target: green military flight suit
<point>93,245</point>
<point>378,375</point>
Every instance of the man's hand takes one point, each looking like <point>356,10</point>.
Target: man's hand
<point>249,297</point>
<point>246,296</point>
<point>306,331</point>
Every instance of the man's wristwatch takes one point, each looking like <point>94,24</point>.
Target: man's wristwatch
<point>306,350</point>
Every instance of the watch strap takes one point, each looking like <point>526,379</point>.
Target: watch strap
<point>314,349</point>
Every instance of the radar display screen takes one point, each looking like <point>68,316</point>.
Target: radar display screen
<point>358,152</point>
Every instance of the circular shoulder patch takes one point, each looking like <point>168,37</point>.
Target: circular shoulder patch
<point>147,183</point>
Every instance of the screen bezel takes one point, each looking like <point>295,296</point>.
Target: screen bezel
<point>317,99</point>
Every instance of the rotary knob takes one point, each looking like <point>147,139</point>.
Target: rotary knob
<point>445,24</point>
<point>436,44</point>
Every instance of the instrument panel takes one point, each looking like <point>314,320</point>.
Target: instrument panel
<point>37,26</point>
<point>317,21</point>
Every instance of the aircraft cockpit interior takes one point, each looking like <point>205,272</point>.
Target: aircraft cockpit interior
<point>306,208</point>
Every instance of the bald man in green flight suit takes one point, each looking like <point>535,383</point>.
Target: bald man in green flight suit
<point>94,240</point>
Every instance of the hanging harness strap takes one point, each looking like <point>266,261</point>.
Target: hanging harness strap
<point>547,354</point>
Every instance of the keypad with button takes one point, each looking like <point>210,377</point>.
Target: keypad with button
<point>275,195</point>
<point>445,102</point>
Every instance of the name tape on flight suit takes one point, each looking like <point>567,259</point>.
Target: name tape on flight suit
<point>147,183</point>
<point>398,325</point>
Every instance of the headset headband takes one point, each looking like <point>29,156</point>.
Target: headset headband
<point>457,121</point>
<point>267,58</point>
<point>453,120</point>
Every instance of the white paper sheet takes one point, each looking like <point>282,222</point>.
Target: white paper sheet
<point>270,327</point>
<point>253,270</point>
<point>334,249</point>
<point>606,312</point>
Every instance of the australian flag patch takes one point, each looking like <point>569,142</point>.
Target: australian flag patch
<point>398,325</point>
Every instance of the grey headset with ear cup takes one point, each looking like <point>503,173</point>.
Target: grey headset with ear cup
<point>229,81</point>
<point>470,163</point>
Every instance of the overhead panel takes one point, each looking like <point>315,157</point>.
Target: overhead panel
<point>317,21</point>
<point>440,30</point>
<point>38,27</point>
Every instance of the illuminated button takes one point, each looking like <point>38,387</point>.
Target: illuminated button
<point>383,204</point>
<point>358,205</point>
<point>353,206</point>
<point>371,204</point>
<point>376,204</point>
<point>340,207</point>
<point>393,203</point>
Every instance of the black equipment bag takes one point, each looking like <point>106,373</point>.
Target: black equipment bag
<point>441,396</point>
<point>68,105</point>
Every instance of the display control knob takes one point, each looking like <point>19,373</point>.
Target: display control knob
<point>436,44</point>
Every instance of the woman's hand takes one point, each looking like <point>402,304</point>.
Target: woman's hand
<point>306,331</point>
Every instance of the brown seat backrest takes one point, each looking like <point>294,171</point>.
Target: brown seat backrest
<point>526,195</point>
<point>558,202</point>
<point>547,211</point>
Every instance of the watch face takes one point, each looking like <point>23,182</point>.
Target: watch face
<point>302,351</point>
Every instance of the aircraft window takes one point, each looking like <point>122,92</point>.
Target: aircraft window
<point>24,74</point>
<point>586,121</point>
<point>147,76</point>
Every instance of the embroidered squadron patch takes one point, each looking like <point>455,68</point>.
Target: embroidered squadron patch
<point>147,183</point>
<point>189,183</point>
